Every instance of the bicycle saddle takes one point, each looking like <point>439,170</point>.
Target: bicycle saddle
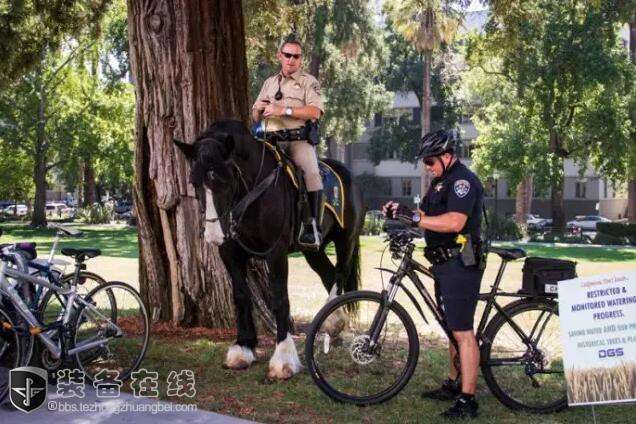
<point>81,254</point>
<point>509,254</point>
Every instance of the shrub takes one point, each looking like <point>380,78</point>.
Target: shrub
<point>618,230</point>
<point>95,214</point>
<point>602,238</point>
<point>372,225</point>
<point>502,228</point>
<point>577,238</point>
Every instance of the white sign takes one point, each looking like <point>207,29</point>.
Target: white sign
<point>598,331</point>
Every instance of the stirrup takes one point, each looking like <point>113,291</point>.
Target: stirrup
<point>317,239</point>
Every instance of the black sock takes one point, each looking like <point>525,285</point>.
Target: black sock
<point>467,396</point>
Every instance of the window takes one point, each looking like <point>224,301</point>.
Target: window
<point>416,114</point>
<point>580,190</point>
<point>605,188</point>
<point>406,187</point>
<point>360,151</point>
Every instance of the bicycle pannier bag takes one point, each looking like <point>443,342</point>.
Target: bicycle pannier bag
<point>541,275</point>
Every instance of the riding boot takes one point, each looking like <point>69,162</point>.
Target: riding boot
<point>311,236</point>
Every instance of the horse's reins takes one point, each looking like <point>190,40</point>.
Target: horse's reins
<point>236,214</point>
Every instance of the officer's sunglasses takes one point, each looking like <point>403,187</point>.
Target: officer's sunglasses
<point>290,55</point>
<point>430,161</point>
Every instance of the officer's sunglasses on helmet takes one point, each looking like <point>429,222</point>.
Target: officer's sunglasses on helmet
<point>290,55</point>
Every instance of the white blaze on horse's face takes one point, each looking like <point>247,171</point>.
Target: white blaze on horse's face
<point>213,231</point>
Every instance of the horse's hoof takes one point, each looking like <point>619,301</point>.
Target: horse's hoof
<point>284,363</point>
<point>238,358</point>
<point>284,373</point>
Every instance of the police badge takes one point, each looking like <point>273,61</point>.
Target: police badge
<point>461,187</point>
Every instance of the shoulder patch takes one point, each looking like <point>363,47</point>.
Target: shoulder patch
<point>461,187</point>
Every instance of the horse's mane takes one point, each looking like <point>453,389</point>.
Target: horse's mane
<point>233,127</point>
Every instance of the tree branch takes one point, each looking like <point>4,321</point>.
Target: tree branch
<point>63,65</point>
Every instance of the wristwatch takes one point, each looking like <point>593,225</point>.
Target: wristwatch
<point>416,219</point>
<point>288,111</point>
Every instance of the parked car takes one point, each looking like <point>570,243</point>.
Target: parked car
<point>54,208</point>
<point>535,222</point>
<point>10,210</point>
<point>586,222</point>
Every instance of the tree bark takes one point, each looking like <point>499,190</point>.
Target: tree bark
<point>189,69</point>
<point>38,218</point>
<point>523,200</point>
<point>425,113</point>
<point>556,192</point>
<point>89,183</point>
<point>631,180</point>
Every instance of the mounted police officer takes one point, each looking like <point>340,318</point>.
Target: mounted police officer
<point>287,101</point>
<point>450,215</point>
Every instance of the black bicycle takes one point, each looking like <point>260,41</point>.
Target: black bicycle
<point>371,356</point>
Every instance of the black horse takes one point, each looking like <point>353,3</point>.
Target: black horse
<point>242,179</point>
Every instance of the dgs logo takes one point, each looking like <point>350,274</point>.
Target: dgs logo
<point>610,353</point>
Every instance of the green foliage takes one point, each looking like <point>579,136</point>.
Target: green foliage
<point>619,230</point>
<point>378,186</point>
<point>397,137</point>
<point>502,228</point>
<point>29,27</point>
<point>556,237</point>
<point>608,240</point>
<point>562,83</point>
<point>95,214</point>
<point>372,225</point>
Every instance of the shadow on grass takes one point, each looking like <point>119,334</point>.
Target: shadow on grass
<point>591,254</point>
<point>118,242</point>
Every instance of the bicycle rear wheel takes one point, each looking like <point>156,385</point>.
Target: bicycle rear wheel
<point>10,351</point>
<point>342,363</point>
<point>117,317</point>
<point>525,374</point>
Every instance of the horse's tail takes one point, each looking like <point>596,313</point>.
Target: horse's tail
<point>352,282</point>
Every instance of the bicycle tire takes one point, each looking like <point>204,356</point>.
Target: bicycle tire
<point>53,300</point>
<point>10,351</point>
<point>27,341</point>
<point>346,301</point>
<point>496,380</point>
<point>82,317</point>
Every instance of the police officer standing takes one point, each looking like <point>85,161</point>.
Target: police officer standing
<point>286,101</point>
<point>450,215</point>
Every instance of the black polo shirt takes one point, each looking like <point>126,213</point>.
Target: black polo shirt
<point>458,190</point>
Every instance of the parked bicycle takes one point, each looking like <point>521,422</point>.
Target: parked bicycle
<point>372,358</point>
<point>104,332</point>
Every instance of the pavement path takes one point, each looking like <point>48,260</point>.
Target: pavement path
<point>123,409</point>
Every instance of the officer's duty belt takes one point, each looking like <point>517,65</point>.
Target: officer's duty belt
<point>439,255</point>
<point>307,132</point>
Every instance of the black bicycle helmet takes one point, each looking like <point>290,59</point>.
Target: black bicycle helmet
<point>437,142</point>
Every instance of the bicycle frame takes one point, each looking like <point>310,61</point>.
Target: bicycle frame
<point>408,268</point>
<point>9,289</point>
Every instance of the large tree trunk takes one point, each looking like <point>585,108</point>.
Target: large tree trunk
<point>38,218</point>
<point>631,183</point>
<point>425,113</point>
<point>189,68</point>
<point>89,183</point>
<point>523,200</point>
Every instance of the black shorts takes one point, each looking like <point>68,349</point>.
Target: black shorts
<point>458,288</point>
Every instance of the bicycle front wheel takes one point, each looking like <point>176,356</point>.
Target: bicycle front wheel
<point>111,332</point>
<point>10,351</point>
<point>339,356</point>
<point>522,357</point>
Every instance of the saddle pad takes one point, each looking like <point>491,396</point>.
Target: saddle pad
<point>333,191</point>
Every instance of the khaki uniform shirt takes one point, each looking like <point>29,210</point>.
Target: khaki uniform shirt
<point>299,89</point>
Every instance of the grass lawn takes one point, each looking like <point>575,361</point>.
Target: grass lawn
<point>249,395</point>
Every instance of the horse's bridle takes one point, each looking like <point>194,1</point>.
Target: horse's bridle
<point>234,216</point>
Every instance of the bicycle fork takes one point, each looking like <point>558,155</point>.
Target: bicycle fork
<point>386,300</point>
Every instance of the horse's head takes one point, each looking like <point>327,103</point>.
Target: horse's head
<point>209,160</point>
<point>210,172</point>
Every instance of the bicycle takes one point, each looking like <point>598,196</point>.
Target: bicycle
<point>104,332</point>
<point>371,359</point>
<point>47,304</point>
